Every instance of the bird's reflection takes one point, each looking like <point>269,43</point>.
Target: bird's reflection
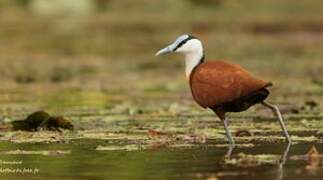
<point>254,169</point>
<point>282,161</point>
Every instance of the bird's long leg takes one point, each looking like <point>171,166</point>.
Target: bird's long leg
<point>221,115</point>
<point>229,151</point>
<point>224,119</point>
<point>227,131</point>
<point>285,154</point>
<point>275,109</point>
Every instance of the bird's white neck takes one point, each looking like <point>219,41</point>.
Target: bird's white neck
<point>191,61</point>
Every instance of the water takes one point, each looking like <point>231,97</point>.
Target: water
<point>197,162</point>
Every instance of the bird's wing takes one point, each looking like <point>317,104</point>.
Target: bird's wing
<point>216,82</point>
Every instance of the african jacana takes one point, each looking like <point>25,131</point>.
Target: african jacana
<point>220,86</point>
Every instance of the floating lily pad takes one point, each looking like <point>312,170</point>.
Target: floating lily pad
<point>131,147</point>
<point>38,152</point>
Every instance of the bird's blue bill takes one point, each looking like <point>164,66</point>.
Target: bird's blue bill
<point>166,50</point>
<point>175,45</point>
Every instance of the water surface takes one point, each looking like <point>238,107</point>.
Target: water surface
<point>195,162</point>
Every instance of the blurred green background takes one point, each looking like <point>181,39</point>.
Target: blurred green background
<point>93,62</point>
<point>58,54</point>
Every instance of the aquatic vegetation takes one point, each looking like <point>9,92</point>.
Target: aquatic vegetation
<point>247,160</point>
<point>313,158</point>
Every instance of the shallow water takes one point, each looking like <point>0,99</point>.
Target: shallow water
<point>195,162</point>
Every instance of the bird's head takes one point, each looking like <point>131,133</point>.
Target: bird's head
<point>184,44</point>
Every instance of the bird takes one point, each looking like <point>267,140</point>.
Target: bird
<point>221,86</point>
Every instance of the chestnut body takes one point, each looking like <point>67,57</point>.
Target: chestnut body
<point>219,85</point>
